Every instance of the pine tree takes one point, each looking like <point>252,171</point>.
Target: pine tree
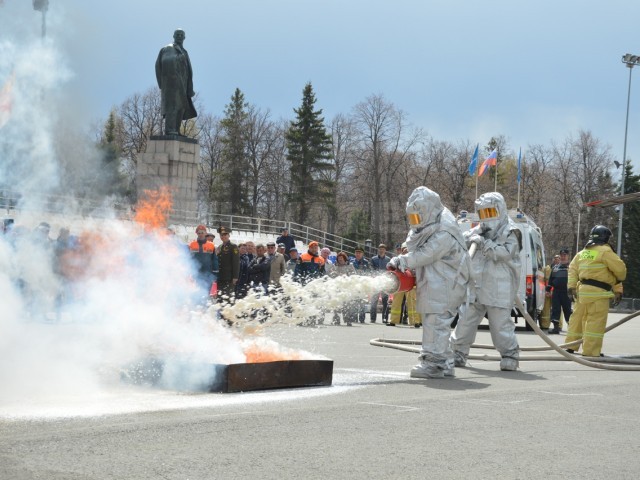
<point>309,151</point>
<point>231,186</point>
<point>111,181</point>
<point>630,234</point>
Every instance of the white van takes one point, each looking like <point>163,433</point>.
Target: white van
<point>532,259</point>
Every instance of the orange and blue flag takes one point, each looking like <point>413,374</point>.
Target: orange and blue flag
<point>491,160</point>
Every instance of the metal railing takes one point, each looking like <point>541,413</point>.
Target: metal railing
<point>270,227</point>
<point>12,202</point>
<point>60,204</point>
<point>627,305</point>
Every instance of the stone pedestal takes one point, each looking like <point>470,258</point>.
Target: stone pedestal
<point>172,160</point>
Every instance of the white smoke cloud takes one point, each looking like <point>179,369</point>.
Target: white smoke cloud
<point>123,295</point>
<point>72,325</point>
<point>29,163</point>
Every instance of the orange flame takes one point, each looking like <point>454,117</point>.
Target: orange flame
<point>260,354</point>
<point>153,209</point>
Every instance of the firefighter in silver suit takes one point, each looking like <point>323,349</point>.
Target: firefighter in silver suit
<point>496,266</point>
<point>438,255</point>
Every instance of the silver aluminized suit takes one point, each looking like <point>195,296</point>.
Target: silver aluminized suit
<point>496,265</point>
<point>438,254</point>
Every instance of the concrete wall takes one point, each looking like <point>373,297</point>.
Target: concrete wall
<point>170,160</point>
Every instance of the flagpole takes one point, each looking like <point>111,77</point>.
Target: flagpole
<point>519,160</point>
<point>477,170</point>
<point>495,187</point>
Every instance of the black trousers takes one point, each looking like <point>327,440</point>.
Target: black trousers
<point>373,310</point>
<point>560,301</point>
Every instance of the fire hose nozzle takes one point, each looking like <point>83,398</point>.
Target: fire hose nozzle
<point>405,281</point>
<point>402,281</point>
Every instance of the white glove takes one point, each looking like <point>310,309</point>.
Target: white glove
<point>477,239</point>
<point>393,264</point>
<point>477,230</point>
<point>397,263</point>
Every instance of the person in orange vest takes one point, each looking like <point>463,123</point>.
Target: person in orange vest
<point>310,265</point>
<point>205,261</point>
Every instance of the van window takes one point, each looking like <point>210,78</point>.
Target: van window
<point>534,254</point>
<point>540,256</point>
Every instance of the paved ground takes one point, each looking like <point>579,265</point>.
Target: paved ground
<point>550,420</point>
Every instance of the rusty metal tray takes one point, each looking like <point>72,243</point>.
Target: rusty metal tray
<point>183,375</point>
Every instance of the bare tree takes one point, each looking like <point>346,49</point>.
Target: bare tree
<point>209,137</point>
<point>536,180</point>
<point>261,145</point>
<point>275,177</point>
<point>344,146</point>
<point>447,171</point>
<point>400,153</point>
<point>385,145</point>
<point>580,174</point>
<point>140,118</point>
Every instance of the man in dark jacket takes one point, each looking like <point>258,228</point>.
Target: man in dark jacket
<point>286,239</point>
<point>243,276</point>
<point>229,261</point>
<point>379,266</point>
<point>557,284</point>
<point>260,269</point>
<point>363,267</point>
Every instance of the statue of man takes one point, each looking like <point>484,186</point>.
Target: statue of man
<point>175,79</point>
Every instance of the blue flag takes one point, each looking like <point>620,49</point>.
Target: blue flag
<point>474,161</point>
<point>519,159</point>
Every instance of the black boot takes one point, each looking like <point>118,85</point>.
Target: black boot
<point>554,328</point>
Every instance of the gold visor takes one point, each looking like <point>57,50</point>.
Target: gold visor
<point>485,213</point>
<point>414,218</point>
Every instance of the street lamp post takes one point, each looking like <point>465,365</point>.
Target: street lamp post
<point>42,6</point>
<point>630,61</point>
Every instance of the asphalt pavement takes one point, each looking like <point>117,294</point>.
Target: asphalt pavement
<point>551,419</point>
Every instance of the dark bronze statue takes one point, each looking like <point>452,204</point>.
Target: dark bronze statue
<point>175,79</point>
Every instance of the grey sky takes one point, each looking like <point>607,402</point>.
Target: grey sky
<point>462,70</point>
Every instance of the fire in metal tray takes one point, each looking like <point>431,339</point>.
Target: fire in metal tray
<point>178,373</point>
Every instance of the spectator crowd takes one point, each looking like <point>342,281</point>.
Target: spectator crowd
<point>225,272</point>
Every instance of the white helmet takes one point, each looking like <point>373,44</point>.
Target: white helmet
<point>423,208</point>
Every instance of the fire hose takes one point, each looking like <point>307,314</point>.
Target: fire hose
<point>631,363</point>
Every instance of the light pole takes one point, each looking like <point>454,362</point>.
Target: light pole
<point>578,233</point>
<point>367,245</point>
<point>630,61</point>
<point>42,6</point>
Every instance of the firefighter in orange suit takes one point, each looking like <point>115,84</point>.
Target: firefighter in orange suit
<point>595,276</point>
<point>406,300</point>
<point>545,315</point>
